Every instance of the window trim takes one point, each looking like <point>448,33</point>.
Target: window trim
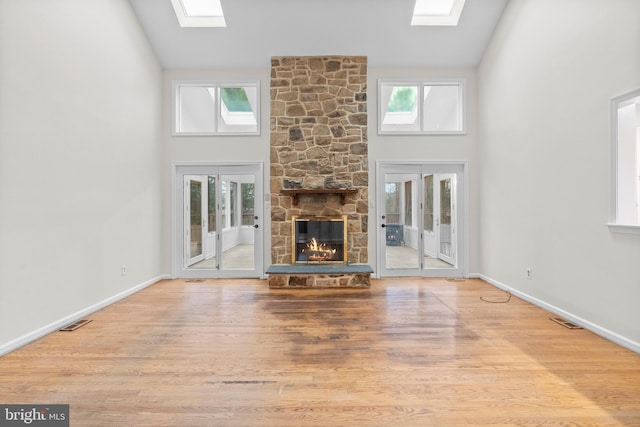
<point>216,85</point>
<point>614,225</point>
<point>462,107</point>
<point>625,229</point>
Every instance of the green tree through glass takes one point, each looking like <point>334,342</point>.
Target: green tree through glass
<point>403,99</point>
<point>248,195</point>
<point>235,98</point>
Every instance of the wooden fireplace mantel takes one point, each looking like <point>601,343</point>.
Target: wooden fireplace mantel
<point>294,192</point>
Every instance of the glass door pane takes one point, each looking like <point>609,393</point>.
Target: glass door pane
<point>211,245</point>
<point>204,201</point>
<point>238,222</point>
<point>429,221</point>
<point>438,231</point>
<point>194,220</point>
<point>446,220</point>
<point>401,221</point>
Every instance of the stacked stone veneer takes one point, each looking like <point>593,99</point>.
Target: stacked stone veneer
<point>319,141</point>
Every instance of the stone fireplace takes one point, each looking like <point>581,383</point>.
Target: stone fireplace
<point>319,168</point>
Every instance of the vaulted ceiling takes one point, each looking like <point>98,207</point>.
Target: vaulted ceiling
<point>259,29</point>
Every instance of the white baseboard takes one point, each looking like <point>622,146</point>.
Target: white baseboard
<point>596,329</point>
<point>57,325</point>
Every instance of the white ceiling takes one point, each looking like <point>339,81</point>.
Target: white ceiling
<point>259,29</point>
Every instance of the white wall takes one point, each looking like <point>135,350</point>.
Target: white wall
<point>80,161</point>
<point>545,84</point>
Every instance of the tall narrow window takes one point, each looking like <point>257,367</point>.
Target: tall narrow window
<point>408,204</point>
<point>428,203</point>
<point>233,203</point>
<point>211,208</point>
<point>625,143</point>
<point>248,208</point>
<point>436,107</point>
<point>211,108</point>
<point>223,199</point>
<point>392,202</point>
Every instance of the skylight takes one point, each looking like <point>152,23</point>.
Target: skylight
<point>437,12</point>
<point>199,13</point>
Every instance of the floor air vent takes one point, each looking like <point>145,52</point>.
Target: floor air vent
<point>75,325</point>
<point>565,323</point>
<point>194,280</point>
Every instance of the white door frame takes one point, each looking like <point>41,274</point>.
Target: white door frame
<point>178,171</point>
<point>460,169</point>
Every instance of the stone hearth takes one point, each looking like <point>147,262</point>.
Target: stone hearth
<point>319,276</point>
<point>319,142</point>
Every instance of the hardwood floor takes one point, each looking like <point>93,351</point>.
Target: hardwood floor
<point>423,352</point>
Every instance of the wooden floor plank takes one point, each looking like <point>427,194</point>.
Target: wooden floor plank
<point>424,352</point>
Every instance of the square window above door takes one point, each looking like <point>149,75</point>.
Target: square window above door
<point>214,108</point>
<point>427,107</point>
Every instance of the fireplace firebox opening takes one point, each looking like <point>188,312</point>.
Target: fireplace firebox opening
<point>319,239</point>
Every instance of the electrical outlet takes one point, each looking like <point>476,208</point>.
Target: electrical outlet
<point>528,273</point>
<point>123,270</point>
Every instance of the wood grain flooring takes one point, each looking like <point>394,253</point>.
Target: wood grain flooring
<point>407,352</point>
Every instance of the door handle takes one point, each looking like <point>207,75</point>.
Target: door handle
<point>256,226</point>
<point>383,225</point>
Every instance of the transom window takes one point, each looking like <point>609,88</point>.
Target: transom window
<point>210,108</point>
<point>625,144</point>
<point>434,107</point>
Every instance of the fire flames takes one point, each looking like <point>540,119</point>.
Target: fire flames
<point>317,251</point>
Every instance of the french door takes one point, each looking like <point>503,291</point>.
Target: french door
<point>422,220</point>
<point>218,221</point>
